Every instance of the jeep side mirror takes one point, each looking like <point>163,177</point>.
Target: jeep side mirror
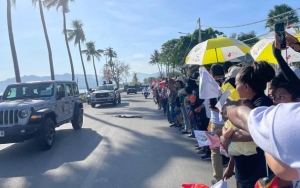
<point>60,94</point>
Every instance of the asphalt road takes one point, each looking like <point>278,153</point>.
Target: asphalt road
<point>109,152</point>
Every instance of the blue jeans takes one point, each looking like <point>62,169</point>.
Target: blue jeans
<point>185,118</point>
<point>164,105</point>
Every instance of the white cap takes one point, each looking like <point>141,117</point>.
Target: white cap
<point>276,130</point>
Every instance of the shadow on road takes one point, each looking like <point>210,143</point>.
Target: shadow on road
<point>138,161</point>
<point>147,113</point>
<point>69,146</point>
<point>122,104</point>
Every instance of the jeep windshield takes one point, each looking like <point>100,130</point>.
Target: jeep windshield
<point>23,91</point>
<point>104,87</point>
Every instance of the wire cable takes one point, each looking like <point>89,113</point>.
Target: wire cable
<point>252,22</point>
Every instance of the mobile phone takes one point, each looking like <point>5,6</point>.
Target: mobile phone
<point>279,29</point>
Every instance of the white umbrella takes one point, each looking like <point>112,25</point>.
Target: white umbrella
<point>216,50</point>
<point>262,50</point>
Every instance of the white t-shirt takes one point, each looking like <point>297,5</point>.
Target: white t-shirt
<point>215,118</point>
<point>207,109</point>
<point>276,130</point>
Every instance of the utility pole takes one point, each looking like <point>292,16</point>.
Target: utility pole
<point>199,38</point>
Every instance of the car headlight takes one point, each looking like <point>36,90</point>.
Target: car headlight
<point>23,113</point>
<point>111,94</point>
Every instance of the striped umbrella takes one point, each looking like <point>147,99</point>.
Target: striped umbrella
<point>216,50</point>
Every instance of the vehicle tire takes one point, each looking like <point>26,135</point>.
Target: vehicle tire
<point>88,101</point>
<point>47,134</point>
<point>78,120</point>
<point>93,105</point>
<point>127,93</point>
<point>135,92</point>
<point>115,102</point>
<point>119,101</point>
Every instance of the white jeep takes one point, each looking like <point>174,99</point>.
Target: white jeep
<point>35,109</point>
<point>106,93</point>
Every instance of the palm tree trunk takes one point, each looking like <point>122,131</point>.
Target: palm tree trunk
<point>68,48</point>
<point>83,67</point>
<point>47,41</point>
<point>95,72</point>
<point>158,69</point>
<point>12,43</point>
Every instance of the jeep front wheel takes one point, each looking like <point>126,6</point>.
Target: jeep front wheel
<point>119,101</point>
<point>47,134</point>
<point>93,105</point>
<point>78,120</point>
<point>115,102</point>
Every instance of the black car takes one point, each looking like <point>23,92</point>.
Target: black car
<point>131,90</point>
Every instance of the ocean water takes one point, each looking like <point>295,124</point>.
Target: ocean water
<point>82,90</point>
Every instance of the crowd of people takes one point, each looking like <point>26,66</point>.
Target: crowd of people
<point>258,133</point>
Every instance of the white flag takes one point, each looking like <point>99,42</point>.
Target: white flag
<point>208,87</point>
<point>223,99</point>
<point>220,184</point>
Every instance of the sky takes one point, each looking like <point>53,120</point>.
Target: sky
<point>132,28</point>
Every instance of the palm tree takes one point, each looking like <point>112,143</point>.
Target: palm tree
<point>91,52</point>
<point>11,40</point>
<point>77,33</point>
<point>46,37</point>
<point>292,17</point>
<point>154,60</point>
<point>110,53</point>
<point>64,4</point>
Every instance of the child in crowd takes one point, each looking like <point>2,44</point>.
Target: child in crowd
<point>236,148</point>
<point>283,91</point>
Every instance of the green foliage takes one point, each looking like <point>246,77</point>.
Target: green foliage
<point>280,9</point>
<point>110,53</point>
<point>135,79</point>
<point>186,43</point>
<point>76,32</point>
<point>149,80</point>
<point>64,4</point>
<point>249,38</point>
<point>91,51</point>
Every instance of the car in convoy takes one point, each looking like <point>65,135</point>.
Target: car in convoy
<point>106,93</point>
<point>131,89</point>
<point>35,109</point>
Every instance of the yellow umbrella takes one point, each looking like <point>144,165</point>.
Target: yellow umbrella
<point>216,50</point>
<point>262,51</point>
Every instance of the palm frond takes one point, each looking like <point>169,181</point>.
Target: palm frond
<point>13,2</point>
<point>34,2</point>
<point>71,36</point>
<point>50,3</point>
<point>100,51</point>
<point>88,58</point>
